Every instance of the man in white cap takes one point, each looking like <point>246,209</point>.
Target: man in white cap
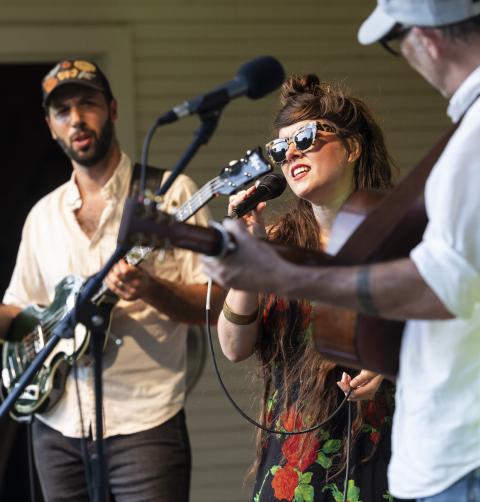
<point>436,432</point>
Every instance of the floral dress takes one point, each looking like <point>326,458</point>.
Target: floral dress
<point>298,468</point>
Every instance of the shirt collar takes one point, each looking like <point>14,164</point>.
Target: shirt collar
<point>464,96</point>
<point>112,188</point>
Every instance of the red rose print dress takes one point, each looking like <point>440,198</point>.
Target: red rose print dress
<point>301,468</point>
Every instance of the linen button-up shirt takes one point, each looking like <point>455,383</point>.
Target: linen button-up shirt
<point>144,378</point>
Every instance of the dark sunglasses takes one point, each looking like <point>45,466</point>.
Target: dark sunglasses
<point>391,42</point>
<point>303,139</point>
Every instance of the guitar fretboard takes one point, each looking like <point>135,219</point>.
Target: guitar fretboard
<point>183,213</point>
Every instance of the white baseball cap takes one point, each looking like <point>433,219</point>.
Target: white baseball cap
<point>414,13</point>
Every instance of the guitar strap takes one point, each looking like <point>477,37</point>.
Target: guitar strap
<point>153,179</point>
<point>383,218</point>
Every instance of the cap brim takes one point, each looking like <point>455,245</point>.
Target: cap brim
<point>375,27</point>
<point>80,83</point>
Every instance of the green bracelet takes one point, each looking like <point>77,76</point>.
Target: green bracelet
<point>241,319</point>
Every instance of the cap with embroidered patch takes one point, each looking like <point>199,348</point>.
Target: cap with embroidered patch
<point>414,13</point>
<point>75,71</point>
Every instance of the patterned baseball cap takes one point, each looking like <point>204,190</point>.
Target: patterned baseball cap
<point>75,71</point>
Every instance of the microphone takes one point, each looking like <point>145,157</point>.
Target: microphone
<point>255,79</point>
<point>271,187</point>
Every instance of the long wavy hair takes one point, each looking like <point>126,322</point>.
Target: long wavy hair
<point>288,360</point>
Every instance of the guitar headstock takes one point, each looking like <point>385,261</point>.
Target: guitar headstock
<point>145,224</point>
<point>242,172</point>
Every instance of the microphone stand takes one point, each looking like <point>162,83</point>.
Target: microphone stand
<point>201,137</point>
<point>94,319</point>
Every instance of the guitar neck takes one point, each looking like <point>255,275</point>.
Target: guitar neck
<point>138,253</point>
<point>197,200</point>
<point>206,240</point>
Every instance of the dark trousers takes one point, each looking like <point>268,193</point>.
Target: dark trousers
<point>148,466</point>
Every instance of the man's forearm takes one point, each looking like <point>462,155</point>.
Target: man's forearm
<point>393,290</point>
<point>183,302</point>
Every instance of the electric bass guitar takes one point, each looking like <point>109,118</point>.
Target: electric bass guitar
<point>32,328</point>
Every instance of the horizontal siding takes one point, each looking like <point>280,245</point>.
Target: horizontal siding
<point>182,48</point>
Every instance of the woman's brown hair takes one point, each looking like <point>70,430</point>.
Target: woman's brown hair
<point>308,381</point>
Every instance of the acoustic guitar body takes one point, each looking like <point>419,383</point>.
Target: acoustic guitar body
<point>358,340</point>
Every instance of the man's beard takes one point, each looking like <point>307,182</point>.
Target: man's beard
<point>101,145</point>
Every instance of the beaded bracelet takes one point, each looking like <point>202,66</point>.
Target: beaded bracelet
<point>241,319</point>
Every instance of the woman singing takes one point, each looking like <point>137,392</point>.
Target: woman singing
<point>328,145</point>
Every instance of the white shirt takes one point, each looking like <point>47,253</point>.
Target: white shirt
<point>144,379</point>
<point>436,427</point>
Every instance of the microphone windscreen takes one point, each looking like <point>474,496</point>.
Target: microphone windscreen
<point>262,75</point>
<point>274,183</point>
<point>271,187</point>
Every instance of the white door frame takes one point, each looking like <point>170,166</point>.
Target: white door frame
<point>109,46</point>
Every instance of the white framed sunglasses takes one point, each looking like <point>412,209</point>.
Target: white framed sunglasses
<point>304,140</point>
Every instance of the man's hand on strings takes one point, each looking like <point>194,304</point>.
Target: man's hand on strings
<point>252,266</point>
<point>128,282</point>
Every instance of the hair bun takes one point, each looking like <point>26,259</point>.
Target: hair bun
<point>298,84</point>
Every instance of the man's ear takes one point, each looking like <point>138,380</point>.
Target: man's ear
<point>431,41</point>
<point>354,149</point>
<point>49,124</point>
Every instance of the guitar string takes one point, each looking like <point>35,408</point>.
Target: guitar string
<point>213,187</point>
<point>208,189</point>
<point>32,337</point>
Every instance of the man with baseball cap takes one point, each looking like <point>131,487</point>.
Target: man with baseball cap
<point>436,430</point>
<point>73,230</point>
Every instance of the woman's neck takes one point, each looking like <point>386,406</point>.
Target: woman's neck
<point>325,215</point>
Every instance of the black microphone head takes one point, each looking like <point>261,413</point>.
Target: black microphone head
<point>274,184</point>
<point>262,75</point>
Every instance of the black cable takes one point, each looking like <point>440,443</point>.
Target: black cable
<point>237,407</point>
<point>144,161</point>
<point>83,440</point>
<point>349,440</point>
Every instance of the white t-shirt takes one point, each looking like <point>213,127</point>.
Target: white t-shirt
<point>143,379</point>
<point>436,427</point>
